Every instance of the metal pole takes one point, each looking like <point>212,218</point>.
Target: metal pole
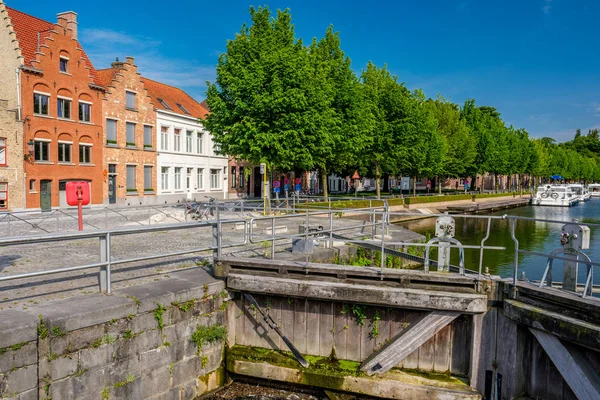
<point>382,245</point>
<point>273,238</point>
<point>513,222</point>
<point>306,238</point>
<point>330,230</point>
<point>482,243</point>
<point>105,257</point>
<point>373,220</point>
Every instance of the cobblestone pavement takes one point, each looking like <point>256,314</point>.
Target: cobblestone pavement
<point>19,259</point>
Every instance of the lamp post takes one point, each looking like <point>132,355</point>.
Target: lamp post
<point>30,149</point>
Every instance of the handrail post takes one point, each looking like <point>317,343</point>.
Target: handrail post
<point>105,281</point>
<point>330,230</point>
<point>382,245</point>
<point>513,223</point>
<point>306,238</point>
<point>272,238</point>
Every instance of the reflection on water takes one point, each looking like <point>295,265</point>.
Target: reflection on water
<point>534,236</point>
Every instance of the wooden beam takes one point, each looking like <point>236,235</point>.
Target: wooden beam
<point>584,382</point>
<point>407,341</point>
<point>572,329</point>
<point>364,293</point>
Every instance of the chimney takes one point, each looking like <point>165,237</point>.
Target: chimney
<point>71,17</point>
<point>117,64</point>
<point>129,60</point>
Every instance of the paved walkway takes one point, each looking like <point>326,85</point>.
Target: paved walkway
<point>21,259</point>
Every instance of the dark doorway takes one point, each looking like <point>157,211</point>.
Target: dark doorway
<point>112,193</point>
<point>46,195</point>
<point>257,182</point>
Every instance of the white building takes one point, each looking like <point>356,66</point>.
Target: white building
<point>187,166</point>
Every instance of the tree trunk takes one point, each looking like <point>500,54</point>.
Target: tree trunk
<point>377,183</point>
<point>439,183</point>
<point>324,181</point>
<point>414,186</point>
<point>495,183</point>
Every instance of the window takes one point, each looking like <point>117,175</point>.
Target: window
<point>131,186</point>
<point>85,154</point>
<point>164,103</point>
<point>199,142</point>
<point>111,131</point>
<point>2,151</point>
<point>112,169</point>
<point>64,64</point>
<point>215,178</point>
<point>148,186</point>
<point>42,151</point>
<point>64,152</point>
<point>85,112</point>
<point>3,195</point>
<point>130,100</point>
<point>64,108</point>
<point>199,178</point>
<point>188,141</point>
<point>164,178</point>
<point>40,103</point>
<point>177,140</point>
<point>130,133</point>
<point>164,138</point>
<point>233,176</point>
<point>183,109</point>
<point>178,178</point>
<point>147,137</point>
<point>242,178</point>
<point>32,185</point>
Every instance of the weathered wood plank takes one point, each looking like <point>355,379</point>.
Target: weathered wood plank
<point>313,310</point>
<point>572,329</point>
<point>340,326</point>
<point>537,380</point>
<point>411,361</point>
<point>443,346</point>
<point>287,317</point>
<point>354,339</point>
<point>384,328</point>
<point>300,324</point>
<point>360,293</point>
<point>460,353</point>
<point>427,354</point>
<point>506,355</point>
<point>273,307</point>
<point>326,328</point>
<point>408,341</point>
<point>554,382</point>
<point>367,338</point>
<point>584,384</point>
<point>523,371</point>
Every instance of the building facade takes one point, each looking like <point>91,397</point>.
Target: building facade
<point>12,178</point>
<point>60,97</point>
<point>188,165</point>
<point>129,138</point>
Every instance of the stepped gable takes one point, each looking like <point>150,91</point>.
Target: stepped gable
<point>173,96</point>
<point>34,33</point>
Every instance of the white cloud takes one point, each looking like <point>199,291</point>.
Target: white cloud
<point>547,6</point>
<point>103,46</point>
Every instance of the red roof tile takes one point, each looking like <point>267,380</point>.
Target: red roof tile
<point>27,28</point>
<point>173,97</point>
<point>106,75</point>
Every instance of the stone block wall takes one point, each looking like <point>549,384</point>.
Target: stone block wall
<point>135,344</point>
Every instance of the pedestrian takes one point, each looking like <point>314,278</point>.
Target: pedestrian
<point>466,185</point>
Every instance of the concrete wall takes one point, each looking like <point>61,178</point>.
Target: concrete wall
<point>112,347</point>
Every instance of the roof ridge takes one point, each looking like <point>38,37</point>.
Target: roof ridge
<point>29,15</point>
<point>162,83</point>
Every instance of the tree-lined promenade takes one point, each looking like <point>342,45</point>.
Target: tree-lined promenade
<point>301,107</point>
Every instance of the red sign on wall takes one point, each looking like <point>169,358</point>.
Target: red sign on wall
<point>78,190</point>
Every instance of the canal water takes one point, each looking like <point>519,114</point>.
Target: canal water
<point>533,236</point>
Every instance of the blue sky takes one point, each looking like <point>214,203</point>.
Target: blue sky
<point>537,61</point>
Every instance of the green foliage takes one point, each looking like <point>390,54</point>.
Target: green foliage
<point>158,313</point>
<point>127,334</point>
<point>105,394</point>
<point>208,334</point>
<point>135,300</point>
<point>42,329</point>
<point>359,313</point>
<point>204,361</point>
<point>375,329</point>
<point>129,379</point>
<point>57,332</point>
<point>184,306</point>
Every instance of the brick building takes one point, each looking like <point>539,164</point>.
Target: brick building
<point>129,136</point>
<point>60,96</point>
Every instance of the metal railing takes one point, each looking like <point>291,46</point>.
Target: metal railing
<point>368,226</point>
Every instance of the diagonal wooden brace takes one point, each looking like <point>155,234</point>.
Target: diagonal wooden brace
<point>407,341</point>
<point>581,378</point>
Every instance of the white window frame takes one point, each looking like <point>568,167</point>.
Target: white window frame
<point>164,178</point>
<point>87,103</point>
<point>63,58</point>
<point>189,141</point>
<point>177,178</point>
<point>68,101</point>
<point>215,178</point>
<point>177,139</point>
<point>47,102</point>
<point>87,146</point>
<point>134,99</point>
<point>67,143</point>
<point>200,178</point>
<point>48,152</point>
<point>164,138</point>
<point>200,143</point>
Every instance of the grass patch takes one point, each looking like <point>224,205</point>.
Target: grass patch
<point>158,313</point>
<point>208,334</point>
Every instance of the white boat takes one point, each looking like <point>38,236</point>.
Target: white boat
<point>555,195</point>
<point>580,191</point>
<point>594,189</point>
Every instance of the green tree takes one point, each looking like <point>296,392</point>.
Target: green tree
<point>263,108</point>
